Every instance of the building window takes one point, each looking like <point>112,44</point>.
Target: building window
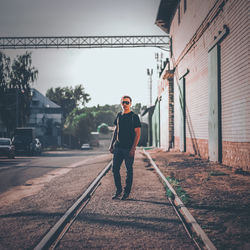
<point>185,5</point>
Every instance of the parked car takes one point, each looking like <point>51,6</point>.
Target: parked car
<point>85,146</point>
<point>24,140</point>
<point>23,145</point>
<point>7,148</point>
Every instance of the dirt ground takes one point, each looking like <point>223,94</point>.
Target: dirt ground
<point>216,195</point>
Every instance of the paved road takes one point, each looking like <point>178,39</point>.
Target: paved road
<point>15,172</point>
<point>28,211</point>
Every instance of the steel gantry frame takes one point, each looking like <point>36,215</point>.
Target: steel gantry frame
<point>84,42</point>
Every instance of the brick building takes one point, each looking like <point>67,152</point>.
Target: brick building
<point>204,90</point>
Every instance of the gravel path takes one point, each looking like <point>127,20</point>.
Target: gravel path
<point>146,220</point>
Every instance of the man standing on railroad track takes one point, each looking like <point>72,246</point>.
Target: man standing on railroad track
<point>123,145</point>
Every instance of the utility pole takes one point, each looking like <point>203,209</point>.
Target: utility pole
<point>150,73</point>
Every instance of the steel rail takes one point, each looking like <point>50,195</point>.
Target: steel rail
<point>40,42</point>
<point>51,237</point>
<point>69,223</point>
<point>182,212</point>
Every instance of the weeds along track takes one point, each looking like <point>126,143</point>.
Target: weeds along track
<point>188,221</point>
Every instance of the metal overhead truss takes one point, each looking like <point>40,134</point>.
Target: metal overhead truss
<point>84,42</point>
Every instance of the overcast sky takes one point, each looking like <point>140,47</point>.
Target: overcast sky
<point>106,74</point>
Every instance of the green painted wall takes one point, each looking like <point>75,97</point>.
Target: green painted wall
<point>156,125</point>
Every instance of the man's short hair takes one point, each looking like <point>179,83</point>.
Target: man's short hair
<point>126,96</point>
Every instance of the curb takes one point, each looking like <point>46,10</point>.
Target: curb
<point>189,219</point>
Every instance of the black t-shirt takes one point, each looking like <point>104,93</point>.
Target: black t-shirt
<point>126,124</point>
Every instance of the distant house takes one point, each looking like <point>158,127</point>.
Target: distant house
<point>203,94</point>
<point>46,118</point>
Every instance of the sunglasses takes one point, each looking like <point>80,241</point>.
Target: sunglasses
<point>125,102</point>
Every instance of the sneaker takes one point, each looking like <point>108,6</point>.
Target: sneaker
<point>116,195</point>
<point>125,196</point>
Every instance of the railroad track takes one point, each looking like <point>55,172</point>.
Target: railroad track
<point>188,221</point>
<point>56,233</point>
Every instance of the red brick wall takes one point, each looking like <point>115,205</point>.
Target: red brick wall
<point>236,154</point>
<point>197,146</point>
<point>177,143</point>
<point>193,146</point>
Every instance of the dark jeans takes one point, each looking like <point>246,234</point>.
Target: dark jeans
<point>121,154</point>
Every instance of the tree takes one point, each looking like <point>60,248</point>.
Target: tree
<point>68,98</point>
<point>4,71</point>
<point>107,117</point>
<point>15,89</point>
<point>114,108</point>
<point>4,82</point>
<point>80,126</point>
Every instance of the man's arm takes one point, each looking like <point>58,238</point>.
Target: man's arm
<point>136,140</point>
<point>111,148</point>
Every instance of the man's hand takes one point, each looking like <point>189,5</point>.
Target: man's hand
<point>132,152</point>
<point>111,149</point>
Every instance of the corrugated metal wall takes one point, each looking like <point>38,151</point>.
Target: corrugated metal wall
<point>196,81</point>
<point>190,21</point>
<point>235,74</point>
<point>164,121</point>
<point>197,93</point>
<point>192,55</point>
